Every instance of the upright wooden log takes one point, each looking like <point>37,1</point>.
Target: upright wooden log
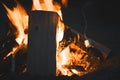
<point>41,58</point>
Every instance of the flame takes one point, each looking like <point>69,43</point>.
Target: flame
<point>19,19</point>
<point>66,60</point>
<point>47,5</point>
<point>42,5</point>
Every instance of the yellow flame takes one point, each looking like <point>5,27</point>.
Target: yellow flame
<point>60,32</point>
<point>36,5</point>
<point>19,19</point>
<point>66,59</point>
<point>63,59</point>
<point>47,5</point>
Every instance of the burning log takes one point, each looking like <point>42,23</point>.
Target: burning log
<point>68,55</point>
<point>104,50</point>
<point>75,57</point>
<point>41,59</point>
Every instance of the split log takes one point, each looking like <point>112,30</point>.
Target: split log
<point>41,58</point>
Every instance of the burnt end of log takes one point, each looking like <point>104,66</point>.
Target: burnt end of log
<point>41,58</point>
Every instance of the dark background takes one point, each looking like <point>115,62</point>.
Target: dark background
<point>103,21</point>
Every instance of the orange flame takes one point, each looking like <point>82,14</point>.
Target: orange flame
<point>67,60</point>
<point>19,19</point>
<point>47,5</point>
<point>64,59</point>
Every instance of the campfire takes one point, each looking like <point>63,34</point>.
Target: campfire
<point>75,54</point>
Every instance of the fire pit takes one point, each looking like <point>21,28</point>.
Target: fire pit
<point>53,47</point>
